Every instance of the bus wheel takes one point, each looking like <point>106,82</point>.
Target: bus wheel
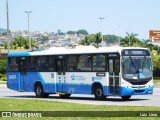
<point>125,97</point>
<point>65,96</point>
<point>98,93</point>
<point>39,91</point>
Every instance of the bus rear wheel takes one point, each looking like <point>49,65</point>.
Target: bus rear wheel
<point>39,91</point>
<point>125,97</point>
<point>65,96</point>
<point>98,93</point>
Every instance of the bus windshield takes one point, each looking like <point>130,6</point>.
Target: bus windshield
<point>136,68</point>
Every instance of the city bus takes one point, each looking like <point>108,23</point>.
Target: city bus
<point>102,72</point>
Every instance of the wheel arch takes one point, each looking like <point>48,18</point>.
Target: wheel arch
<point>95,84</point>
<point>37,83</point>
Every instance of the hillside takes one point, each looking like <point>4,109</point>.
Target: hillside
<point>2,30</point>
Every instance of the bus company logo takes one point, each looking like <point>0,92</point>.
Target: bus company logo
<point>12,77</point>
<point>96,78</point>
<point>76,77</point>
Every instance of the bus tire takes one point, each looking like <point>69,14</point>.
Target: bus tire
<point>98,93</point>
<point>125,97</point>
<point>65,96</point>
<point>39,91</point>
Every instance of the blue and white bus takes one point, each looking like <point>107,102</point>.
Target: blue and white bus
<point>104,71</point>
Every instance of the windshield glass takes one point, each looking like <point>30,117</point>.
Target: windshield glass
<point>136,68</point>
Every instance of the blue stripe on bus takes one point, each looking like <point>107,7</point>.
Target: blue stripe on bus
<point>19,54</point>
<point>129,91</point>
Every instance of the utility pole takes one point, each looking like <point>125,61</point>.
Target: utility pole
<point>101,18</point>
<point>28,12</point>
<point>8,34</point>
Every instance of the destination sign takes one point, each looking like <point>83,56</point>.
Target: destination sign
<point>137,52</point>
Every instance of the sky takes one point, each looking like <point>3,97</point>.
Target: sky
<point>120,16</point>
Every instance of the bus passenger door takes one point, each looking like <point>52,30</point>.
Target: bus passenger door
<point>114,69</point>
<point>23,67</point>
<point>60,69</point>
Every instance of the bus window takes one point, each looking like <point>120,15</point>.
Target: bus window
<point>50,60</point>
<point>84,63</point>
<point>23,64</point>
<point>13,64</point>
<point>43,66</point>
<point>32,64</point>
<point>110,66</point>
<point>71,63</point>
<point>99,62</point>
<point>117,67</point>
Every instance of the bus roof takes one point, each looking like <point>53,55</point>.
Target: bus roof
<point>75,50</point>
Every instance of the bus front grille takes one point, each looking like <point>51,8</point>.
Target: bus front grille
<point>139,91</point>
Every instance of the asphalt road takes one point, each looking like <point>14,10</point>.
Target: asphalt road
<point>138,100</point>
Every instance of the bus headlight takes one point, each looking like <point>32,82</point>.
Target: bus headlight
<point>150,84</point>
<point>126,85</point>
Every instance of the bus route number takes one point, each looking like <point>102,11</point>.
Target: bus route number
<point>12,77</point>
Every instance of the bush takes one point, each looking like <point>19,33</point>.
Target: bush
<point>2,66</point>
<point>3,77</point>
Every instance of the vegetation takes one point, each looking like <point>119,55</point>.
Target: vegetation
<point>71,32</point>
<point>43,39</point>
<point>21,42</point>
<point>86,41</point>
<point>82,31</point>
<point>98,38</point>
<point>130,40</point>
<point>2,69</point>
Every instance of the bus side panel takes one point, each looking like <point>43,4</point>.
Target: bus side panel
<point>106,90</point>
<point>43,78</point>
<point>13,80</point>
<point>49,79</point>
<point>81,82</point>
<point>77,88</point>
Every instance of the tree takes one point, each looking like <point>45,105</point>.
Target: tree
<point>82,31</point>
<point>155,59</point>
<point>86,41</point>
<point>43,39</point>
<point>98,38</point>
<point>2,66</point>
<point>130,40</point>
<point>71,32</point>
<point>2,69</point>
<point>60,32</point>
<point>147,44</point>
<point>26,43</point>
<point>33,43</point>
<point>5,45</point>
<point>19,41</point>
<point>14,45</point>
<point>111,38</point>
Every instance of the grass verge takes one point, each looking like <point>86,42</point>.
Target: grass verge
<point>40,105</point>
